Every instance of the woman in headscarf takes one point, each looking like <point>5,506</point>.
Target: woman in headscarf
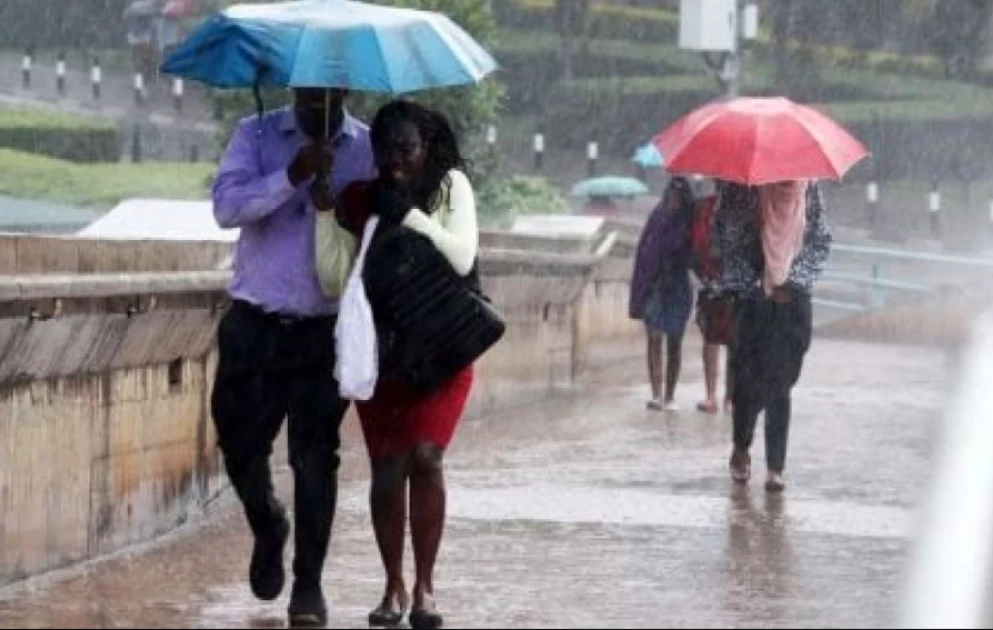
<point>773,242</point>
<point>661,293</point>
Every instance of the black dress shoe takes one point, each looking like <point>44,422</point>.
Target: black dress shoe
<point>308,608</point>
<point>266,573</point>
<point>426,620</point>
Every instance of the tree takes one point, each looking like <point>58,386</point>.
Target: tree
<point>571,22</point>
<point>960,33</point>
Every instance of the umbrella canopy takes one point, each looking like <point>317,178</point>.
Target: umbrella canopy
<point>330,44</point>
<point>179,9</point>
<point>142,8</point>
<point>759,141</point>
<point>607,187</point>
<point>648,156</point>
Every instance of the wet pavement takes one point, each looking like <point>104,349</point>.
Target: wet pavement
<point>592,512</point>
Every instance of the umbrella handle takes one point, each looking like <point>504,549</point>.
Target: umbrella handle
<point>259,105</point>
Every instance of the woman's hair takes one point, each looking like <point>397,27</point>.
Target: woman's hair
<point>441,146</point>
<point>679,199</point>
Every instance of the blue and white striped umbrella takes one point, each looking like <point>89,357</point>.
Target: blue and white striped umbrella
<point>330,44</point>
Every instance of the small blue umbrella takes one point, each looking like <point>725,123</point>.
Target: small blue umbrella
<point>647,156</point>
<point>607,187</point>
<point>330,44</point>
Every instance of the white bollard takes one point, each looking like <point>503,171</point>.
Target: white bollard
<point>26,64</point>
<point>592,154</point>
<point>139,88</point>
<point>177,93</point>
<point>539,150</point>
<point>96,78</point>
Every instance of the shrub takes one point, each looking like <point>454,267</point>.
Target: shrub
<point>57,135</point>
<point>501,200</point>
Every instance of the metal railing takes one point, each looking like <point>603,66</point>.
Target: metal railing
<point>951,579</point>
<point>878,285</point>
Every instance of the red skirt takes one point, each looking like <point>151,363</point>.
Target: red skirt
<point>398,418</point>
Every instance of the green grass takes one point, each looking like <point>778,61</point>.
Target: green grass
<point>99,186</point>
<point>29,118</point>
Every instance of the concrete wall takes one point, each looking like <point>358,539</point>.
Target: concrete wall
<point>105,434</point>
<point>32,254</point>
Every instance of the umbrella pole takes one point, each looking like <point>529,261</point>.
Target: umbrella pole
<point>327,116</point>
<point>327,130</point>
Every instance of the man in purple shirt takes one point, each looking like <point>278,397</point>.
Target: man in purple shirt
<point>276,343</point>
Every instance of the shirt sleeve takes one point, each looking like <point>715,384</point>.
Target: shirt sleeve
<point>242,194</point>
<point>458,238</point>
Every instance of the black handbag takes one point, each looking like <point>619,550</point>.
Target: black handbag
<point>431,322</point>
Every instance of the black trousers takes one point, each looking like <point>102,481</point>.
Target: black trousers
<point>271,369</point>
<point>772,341</point>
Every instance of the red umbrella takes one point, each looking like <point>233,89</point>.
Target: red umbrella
<point>759,141</point>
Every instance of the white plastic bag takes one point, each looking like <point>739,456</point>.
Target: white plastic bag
<point>357,363</point>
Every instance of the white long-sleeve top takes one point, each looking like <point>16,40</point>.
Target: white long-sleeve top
<point>453,227</point>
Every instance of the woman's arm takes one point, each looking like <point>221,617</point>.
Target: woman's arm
<point>458,238</point>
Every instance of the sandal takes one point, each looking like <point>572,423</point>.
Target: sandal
<point>390,612</point>
<point>708,407</point>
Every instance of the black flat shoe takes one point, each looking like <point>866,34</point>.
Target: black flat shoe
<point>426,620</point>
<point>390,612</point>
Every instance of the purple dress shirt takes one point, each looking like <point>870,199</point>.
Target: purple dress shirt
<point>274,266</point>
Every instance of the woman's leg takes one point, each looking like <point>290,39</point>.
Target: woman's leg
<point>427,518</point>
<point>388,501</point>
<point>711,372</point>
<point>674,364</point>
<point>654,352</point>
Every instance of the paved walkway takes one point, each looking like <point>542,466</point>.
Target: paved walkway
<point>591,512</point>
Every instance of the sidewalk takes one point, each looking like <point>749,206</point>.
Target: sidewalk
<point>591,512</point>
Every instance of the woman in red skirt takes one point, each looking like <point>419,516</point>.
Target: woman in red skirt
<point>422,185</point>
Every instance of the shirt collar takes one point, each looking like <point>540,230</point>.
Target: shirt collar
<point>349,125</point>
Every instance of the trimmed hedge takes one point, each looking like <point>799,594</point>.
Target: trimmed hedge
<point>607,21</point>
<point>943,135</point>
<point>60,136</point>
<point>620,114</point>
<point>531,64</point>
<point>650,24</point>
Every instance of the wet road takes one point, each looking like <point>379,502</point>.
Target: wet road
<point>591,512</point>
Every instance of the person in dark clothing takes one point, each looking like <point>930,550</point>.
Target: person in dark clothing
<point>774,319</point>
<point>277,343</point>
